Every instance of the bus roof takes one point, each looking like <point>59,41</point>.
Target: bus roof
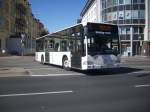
<point>83,24</point>
<point>80,24</point>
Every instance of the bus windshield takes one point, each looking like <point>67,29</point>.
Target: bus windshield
<point>102,39</point>
<point>101,45</point>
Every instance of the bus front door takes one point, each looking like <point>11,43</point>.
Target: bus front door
<point>76,61</point>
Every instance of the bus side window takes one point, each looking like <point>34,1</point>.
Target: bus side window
<point>71,45</point>
<point>45,44</point>
<point>63,45</point>
<point>51,44</point>
<point>57,47</point>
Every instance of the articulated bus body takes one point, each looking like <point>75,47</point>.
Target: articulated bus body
<point>84,47</point>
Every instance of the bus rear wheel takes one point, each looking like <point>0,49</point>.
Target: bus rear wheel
<point>65,63</point>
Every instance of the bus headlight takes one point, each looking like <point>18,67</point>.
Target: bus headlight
<point>88,63</point>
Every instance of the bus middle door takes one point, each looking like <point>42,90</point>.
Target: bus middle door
<point>47,57</point>
<point>47,60</point>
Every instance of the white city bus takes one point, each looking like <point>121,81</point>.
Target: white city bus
<point>84,47</point>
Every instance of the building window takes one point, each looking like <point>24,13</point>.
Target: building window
<point>121,15</point>
<point>135,37</point>
<point>1,2</point>
<point>128,30</point>
<point>135,14</point>
<point>109,3</point>
<point>114,15</point>
<point>141,14</point>
<point>121,1</point>
<point>142,21</point>
<point>142,1</point>
<point>135,1</point>
<point>128,14</point>
<point>122,30</point>
<point>142,7</point>
<point>128,21</point>
<point>115,2</point>
<point>127,1</point>
<point>135,7</point>
<point>114,8</point>
<point>141,30</point>
<point>135,30</point>
<point>1,21</point>
<point>135,21</point>
<point>109,16</point>
<point>128,7</point>
<point>103,4</point>
<point>121,7</point>
<point>123,37</point>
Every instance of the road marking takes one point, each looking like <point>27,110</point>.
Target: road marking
<point>55,75</point>
<point>33,94</point>
<point>138,86</point>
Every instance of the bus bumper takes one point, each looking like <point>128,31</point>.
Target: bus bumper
<point>96,67</point>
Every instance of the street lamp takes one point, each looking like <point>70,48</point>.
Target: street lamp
<point>141,43</point>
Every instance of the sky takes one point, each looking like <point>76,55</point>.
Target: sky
<point>57,14</point>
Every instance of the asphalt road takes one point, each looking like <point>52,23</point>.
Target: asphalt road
<point>130,65</point>
<point>101,93</point>
<point>116,90</point>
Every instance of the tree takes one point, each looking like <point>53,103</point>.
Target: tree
<point>44,32</point>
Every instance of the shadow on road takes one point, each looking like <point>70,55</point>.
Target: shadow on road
<point>143,75</point>
<point>113,71</point>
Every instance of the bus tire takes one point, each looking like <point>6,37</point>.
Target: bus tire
<point>42,59</point>
<point>65,63</point>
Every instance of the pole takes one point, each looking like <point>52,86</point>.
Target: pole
<point>86,44</point>
<point>22,43</point>
<point>22,54</point>
<point>131,41</point>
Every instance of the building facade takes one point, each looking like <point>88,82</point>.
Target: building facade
<point>91,12</point>
<point>18,27</point>
<point>5,27</point>
<point>129,15</point>
<point>146,45</point>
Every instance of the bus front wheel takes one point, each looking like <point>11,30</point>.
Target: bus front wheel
<point>65,63</point>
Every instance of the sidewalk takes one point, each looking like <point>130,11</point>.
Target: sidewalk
<point>7,71</point>
<point>134,58</point>
<point>4,55</point>
<point>13,72</point>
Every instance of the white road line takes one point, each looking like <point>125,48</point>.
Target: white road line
<point>55,75</point>
<point>138,86</point>
<point>33,94</point>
